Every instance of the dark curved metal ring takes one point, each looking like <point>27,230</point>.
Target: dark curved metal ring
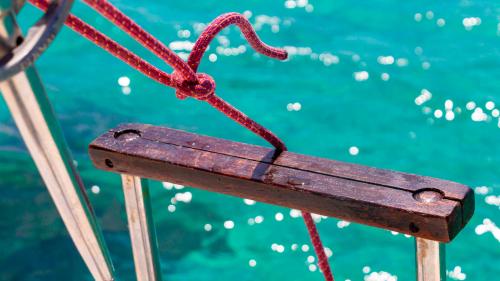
<point>39,36</point>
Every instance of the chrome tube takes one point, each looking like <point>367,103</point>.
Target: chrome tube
<point>33,114</point>
<point>430,257</point>
<point>141,227</point>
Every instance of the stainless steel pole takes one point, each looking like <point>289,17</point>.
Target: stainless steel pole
<point>33,114</point>
<point>430,260</point>
<point>141,227</point>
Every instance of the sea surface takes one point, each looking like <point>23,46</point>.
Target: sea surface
<point>404,85</point>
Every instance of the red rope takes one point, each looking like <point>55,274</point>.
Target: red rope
<point>185,79</point>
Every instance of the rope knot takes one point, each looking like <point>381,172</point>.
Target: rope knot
<point>201,89</point>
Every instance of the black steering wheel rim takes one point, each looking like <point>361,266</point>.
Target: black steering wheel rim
<point>39,36</point>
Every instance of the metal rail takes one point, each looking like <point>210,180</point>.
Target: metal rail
<point>33,114</point>
<point>141,226</point>
<point>431,210</point>
<point>430,256</point>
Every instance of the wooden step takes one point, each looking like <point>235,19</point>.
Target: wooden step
<point>420,206</point>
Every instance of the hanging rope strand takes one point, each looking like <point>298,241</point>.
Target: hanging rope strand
<point>185,79</point>
<point>112,47</point>
<point>125,23</point>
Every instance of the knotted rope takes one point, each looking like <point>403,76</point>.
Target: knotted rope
<point>185,78</point>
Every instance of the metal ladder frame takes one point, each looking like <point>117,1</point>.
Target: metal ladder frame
<point>34,116</point>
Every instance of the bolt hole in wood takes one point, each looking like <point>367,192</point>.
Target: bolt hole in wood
<point>19,40</point>
<point>428,195</point>
<point>127,135</point>
<point>414,228</point>
<point>109,163</point>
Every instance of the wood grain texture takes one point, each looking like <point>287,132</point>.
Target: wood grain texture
<point>366,195</point>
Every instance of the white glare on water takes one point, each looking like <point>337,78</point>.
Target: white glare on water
<point>181,45</point>
<point>328,59</point>
<point>95,189</point>
<point>207,227</point>
<point>295,213</point>
<point>380,276</point>
<point>478,115</point>
<point>305,248</point>
<point>492,200</point>
<point>425,95</point>
<point>278,216</point>
<point>482,190</point>
<point>361,75</point>
<point>212,57</point>
<point>448,105</point>
<point>304,4</point>
<point>488,226</point>
<point>470,22</point>
<point>449,115</point>
<point>171,208</point>
<point>296,106</point>
<point>402,62</point>
<point>429,15</point>
<point>259,219</point>
<point>385,76</point>
<point>343,224</point>
<point>388,60</point>
<point>168,185</point>
<point>277,248</point>
<point>470,105</point>
<point>249,202</point>
<point>185,197</point>
<point>124,81</point>
<point>229,224</point>
<point>328,252</point>
<point>178,186</point>
<point>183,33</point>
<point>456,273</point>
<point>490,105</point>
<point>126,90</point>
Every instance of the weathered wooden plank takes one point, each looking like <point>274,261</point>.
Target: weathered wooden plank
<point>421,206</point>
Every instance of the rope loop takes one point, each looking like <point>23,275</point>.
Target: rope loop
<point>205,86</point>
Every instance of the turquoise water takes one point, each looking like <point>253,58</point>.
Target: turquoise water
<point>411,86</point>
